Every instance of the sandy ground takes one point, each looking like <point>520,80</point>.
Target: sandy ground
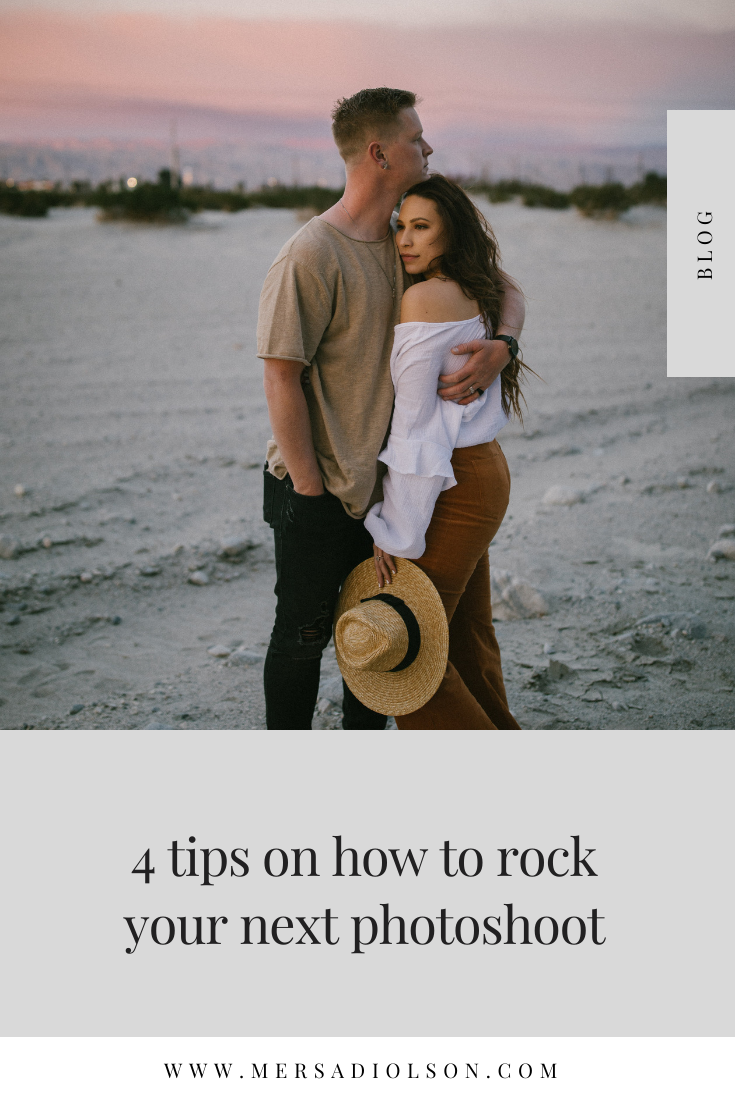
<point>134,419</point>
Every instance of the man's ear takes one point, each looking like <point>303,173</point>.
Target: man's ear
<point>377,155</point>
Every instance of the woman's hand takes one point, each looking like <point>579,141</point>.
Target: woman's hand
<point>487,360</point>
<point>487,357</point>
<point>385,568</point>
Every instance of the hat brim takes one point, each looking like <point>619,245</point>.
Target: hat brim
<point>398,694</point>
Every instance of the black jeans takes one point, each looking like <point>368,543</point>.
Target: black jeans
<point>317,545</point>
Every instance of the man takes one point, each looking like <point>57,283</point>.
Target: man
<point>325,330</point>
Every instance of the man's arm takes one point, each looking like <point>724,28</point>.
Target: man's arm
<point>289,417</point>
<point>489,357</point>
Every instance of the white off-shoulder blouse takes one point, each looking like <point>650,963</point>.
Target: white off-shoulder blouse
<point>425,431</point>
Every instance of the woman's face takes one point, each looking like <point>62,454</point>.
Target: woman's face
<point>419,233</point>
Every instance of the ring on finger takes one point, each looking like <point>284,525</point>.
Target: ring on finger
<point>471,390</point>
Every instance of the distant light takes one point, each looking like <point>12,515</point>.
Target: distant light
<point>272,181</point>
<point>132,182</point>
<point>187,177</point>
<point>10,182</point>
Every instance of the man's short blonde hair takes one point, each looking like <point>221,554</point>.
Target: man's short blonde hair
<point>369,115</point>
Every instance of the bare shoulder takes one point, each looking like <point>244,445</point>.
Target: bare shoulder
<point>437,300</point>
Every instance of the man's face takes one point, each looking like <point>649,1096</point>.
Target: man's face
<point>408,152</point>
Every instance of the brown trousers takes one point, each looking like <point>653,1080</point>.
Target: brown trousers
<point>472,694</point>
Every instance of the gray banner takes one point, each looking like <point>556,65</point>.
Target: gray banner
<point>80,812</point>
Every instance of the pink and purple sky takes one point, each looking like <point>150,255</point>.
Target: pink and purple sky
<point>533,72</point>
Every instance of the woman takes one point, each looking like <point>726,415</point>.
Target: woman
<point>447,486</point>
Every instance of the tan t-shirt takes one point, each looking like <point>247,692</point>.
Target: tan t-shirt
<point>327,302</point>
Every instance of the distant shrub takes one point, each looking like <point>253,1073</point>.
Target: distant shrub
<point>165,201</point>
<point>651,189</point>
<point>319,198</point>
<point>601,201</point>
<point>146,202</point>
<point>25,204</point>
<point>504,190</point>
<point>592,200</point>
<point>203,198</point>
<point>535,195</point>
<point>500,192</point>
<point>301,198</point>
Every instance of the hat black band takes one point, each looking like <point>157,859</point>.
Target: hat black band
<point>412,627</point>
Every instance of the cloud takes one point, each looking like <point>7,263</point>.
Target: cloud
<point>704,14</point>
<point>592,84</point>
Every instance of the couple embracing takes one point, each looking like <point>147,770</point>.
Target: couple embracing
<point>394,340</point>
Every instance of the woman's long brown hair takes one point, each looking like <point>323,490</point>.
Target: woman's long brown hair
<point>472,259</point>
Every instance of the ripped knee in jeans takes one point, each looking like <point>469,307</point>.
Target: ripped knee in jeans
<point>317,633</point>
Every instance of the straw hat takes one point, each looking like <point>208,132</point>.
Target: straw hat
<point>391,643</point>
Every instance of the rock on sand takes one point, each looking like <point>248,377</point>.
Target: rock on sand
<point>722,549</point>
<point>513,598</point>
<point>235,547</point>
<point>563,495</point>
<point>9,547</point>
<point>245,657</point>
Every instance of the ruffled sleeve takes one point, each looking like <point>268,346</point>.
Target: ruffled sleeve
<point>398,523</point>
<point>418,455</point>
<point>422,457</point>
<point>425,431</point>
